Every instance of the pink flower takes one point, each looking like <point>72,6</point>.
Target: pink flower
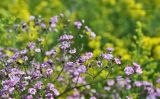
<point>78,24</point>
<point>137,68</point>
<point>117,60</point>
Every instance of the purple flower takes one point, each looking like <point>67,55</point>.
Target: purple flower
<point>78,79</point>
<point>117,60</point>
<point>107,56</point>
<point>137,68</point>
<point>107,88</point>
<point>81,69</point>
<point>110,82</point>
<point>150,90</point>
<point>53,25</point>
<point>128,80</point>
<point>65,37</point>
<point>11,89</point>
<point>93,97</point>
<point>69,65</point>
<point>54,19</point>
<point>158,92</point>
<point>82,59</point>
<point>139,71</point>
<point>92,34</point>
<point>89,55</point>
<point>32,91</point>
<point>44,64</point>
<point>151,96</point>
<point>36,65</point>
<point>129,70</point>
<point>38,85</point>
<point>14,78</point>
<point>78,24</point>
<point>87,28</point>
<point>29,97</point>
<point>72,51</point>
<point>15,71</point>
<point>49,96</point>
<point>85,57</point>
<point>110,49</point>
<point>15,56</point>
<point>43,25</point>
<point>65,45</point>
<point>50,86</point>
<point>146,83</point>
<point>119,78</point>
<point>23,51</point>
<point>56,92</point>
<point>31,45</point>
<point>51,52</point>
<point>36,74</point>
<point>50,62</point>
<point>49,71</point>
<point>121,83</point>
<point>138,83</point>
<point>158,80</point>
<point>128,86</point>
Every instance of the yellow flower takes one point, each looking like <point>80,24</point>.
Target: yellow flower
<point>97,52</point>
<point>112,2</point>
<point>156,52</point>
<point>20,9</point>
<point>95,43</point>
<point>9,53</point>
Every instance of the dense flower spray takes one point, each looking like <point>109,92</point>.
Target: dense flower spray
<point>65,70</point>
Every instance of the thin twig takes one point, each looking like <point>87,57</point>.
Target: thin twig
<point>99,72</point>
<point>70,89</point>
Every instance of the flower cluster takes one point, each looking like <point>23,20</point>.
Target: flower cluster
<point>130,70</point>
<point>38,72</point>
<point>121,83</point>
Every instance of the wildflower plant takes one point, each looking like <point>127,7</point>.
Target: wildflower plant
<point>44,69</point>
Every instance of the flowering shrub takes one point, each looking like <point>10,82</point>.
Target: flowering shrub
<point>39,68</point>
<point>113,20</point>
